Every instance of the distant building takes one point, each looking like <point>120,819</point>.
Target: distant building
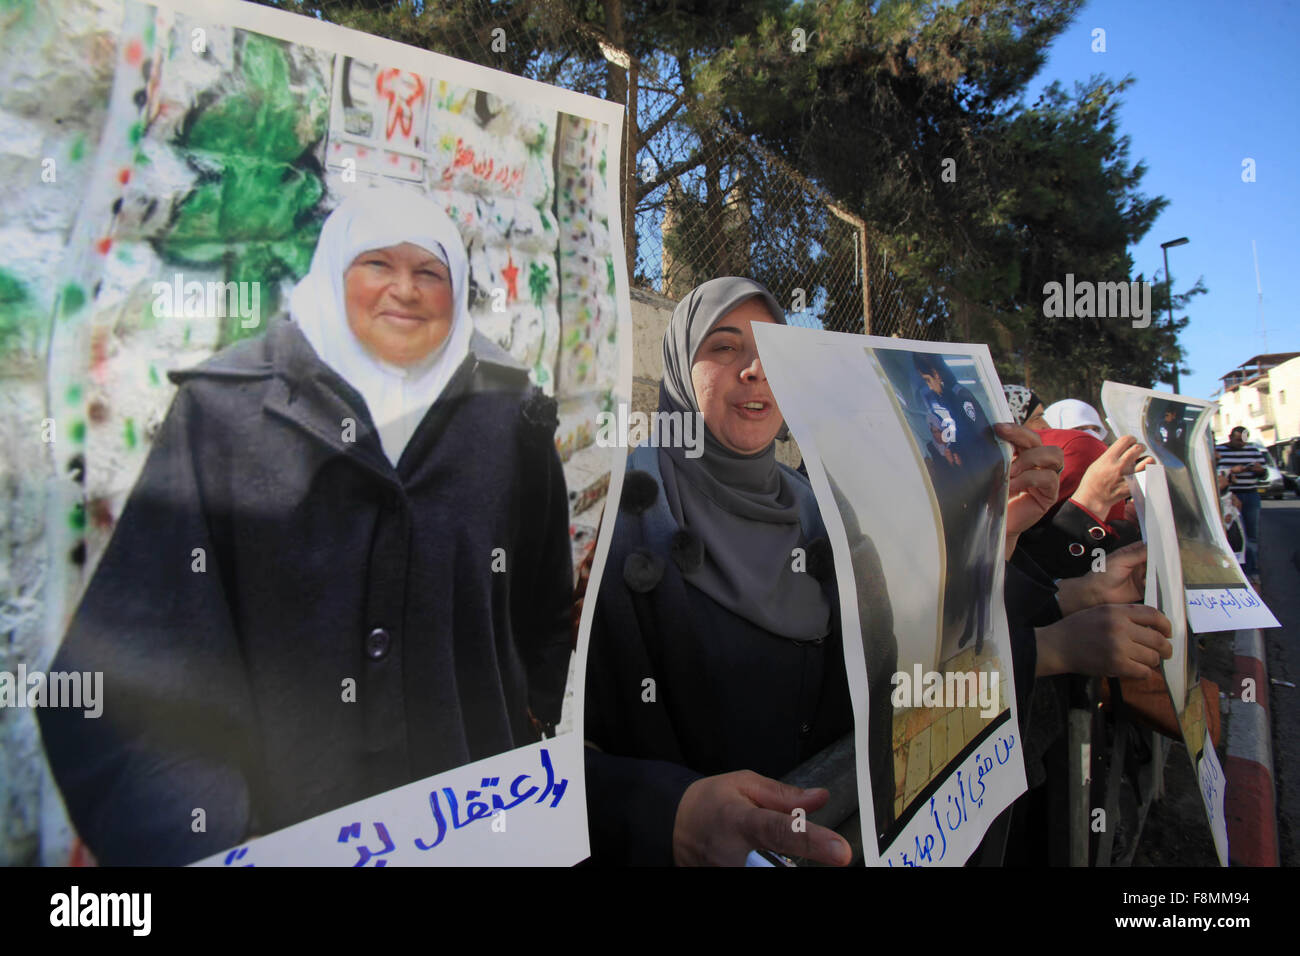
<point>1263,393</point>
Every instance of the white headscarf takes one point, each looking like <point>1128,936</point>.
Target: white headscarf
<point>397,397</point>
<point>1072,413</point>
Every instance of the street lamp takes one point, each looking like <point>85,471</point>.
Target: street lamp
<point>1169,289</point>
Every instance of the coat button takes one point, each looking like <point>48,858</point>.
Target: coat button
<point>1097,532</point>
<point>377,644</point>
<point>1076,549</point>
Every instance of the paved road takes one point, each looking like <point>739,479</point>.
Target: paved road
<point>1279,560</point>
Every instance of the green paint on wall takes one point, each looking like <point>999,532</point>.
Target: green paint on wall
<point>73,395</point>
<point>16,310</point>
<point>135,133</point>
<point>77,517</point>
<point>535,146</point>
<point>256,217</point>
<point>78,151</point>
<point>23,9</point>
<point>77,431</point>
<point>128,434</point>
<point>74,298</point>
<point>154,380</point>
<point>539,281</point>
<point>609,271</point>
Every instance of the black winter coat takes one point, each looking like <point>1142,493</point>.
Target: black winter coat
<point>264,561</point>
<point>726,694</point>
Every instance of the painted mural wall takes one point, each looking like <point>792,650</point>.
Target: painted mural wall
<point>141,146</point>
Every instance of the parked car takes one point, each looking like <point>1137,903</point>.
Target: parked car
<point>1271,483</point>
<point>1287,455</point>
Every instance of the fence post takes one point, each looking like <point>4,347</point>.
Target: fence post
<point>1079,759</point>
<point>861,243</point>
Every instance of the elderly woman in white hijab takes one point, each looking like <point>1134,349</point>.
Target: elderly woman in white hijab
<point>344,567</point>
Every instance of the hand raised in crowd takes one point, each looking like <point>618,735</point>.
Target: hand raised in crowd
<point>721,819</point>
<point>1123,581</point>
<point>1104,484</point>
<point>1110,640</point>
<point>1035,479</point>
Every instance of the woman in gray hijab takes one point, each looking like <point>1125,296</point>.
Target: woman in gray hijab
<point>715,662</point>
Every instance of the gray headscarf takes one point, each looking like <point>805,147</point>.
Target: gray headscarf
<point>740,507</point>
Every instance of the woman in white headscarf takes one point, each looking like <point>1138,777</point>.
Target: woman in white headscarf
<point>344,567</point>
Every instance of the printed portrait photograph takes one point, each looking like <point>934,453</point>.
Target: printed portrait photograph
<point>329,322</point>
<point>1168,429</point>
<point>942,401</point>
<point>909,423</point>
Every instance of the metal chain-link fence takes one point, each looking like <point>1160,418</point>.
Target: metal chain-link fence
<point>699,199</point>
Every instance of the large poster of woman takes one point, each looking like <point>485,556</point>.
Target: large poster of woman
<point>335,318</point>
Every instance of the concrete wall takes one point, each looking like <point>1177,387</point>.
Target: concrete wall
<point>1249,405</point>
<point>1284,391</point>
<point>56,64</point>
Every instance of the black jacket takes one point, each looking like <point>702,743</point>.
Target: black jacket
<point>726,694</point>
<point>269,555</point>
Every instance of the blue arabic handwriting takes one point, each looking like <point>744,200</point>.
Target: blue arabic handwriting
<point>235,855</point>
<point>1210,780</point>
<point>353,832</point>
<point>1226,600</point>
<point>971,792</point>
<point>477,809</point>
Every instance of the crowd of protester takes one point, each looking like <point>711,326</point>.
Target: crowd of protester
<point>713,671</point>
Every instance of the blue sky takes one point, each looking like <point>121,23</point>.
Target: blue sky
<point>1216,82</point>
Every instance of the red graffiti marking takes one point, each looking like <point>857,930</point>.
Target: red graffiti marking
<point>134,53</point>
<point>99,355</point>
<point>124,176</point>
<point>404,91</point>
<point>103,246</point>
<point>507,176</point>
<point>101,514</point>
<point>511,274</point>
